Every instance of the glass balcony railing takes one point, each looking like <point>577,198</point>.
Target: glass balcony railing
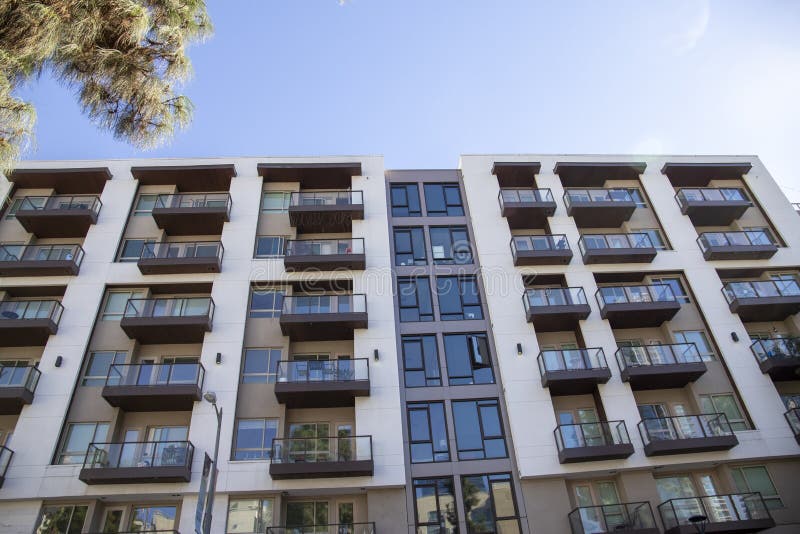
<point>716,508</point>
<point>41,253</point>
<point>760,289</point>
<point>572,196</point>
<point>626,517</point>
<point>710,194</point>
<point>327,198</point>
<point>793,418</point>
<point>185,250</point>
<point>571,360</point>
<point>784,348</point>
<point>634,294</point>
<point>750,238</point>
<point>321,449</point>
<point>324,247</point>
<point>194,200</point>
<point>708,425</point>
<point>31,309</point>
<point>613,241</point>
<point>340,528</point>
<point>646,355</point>
<point>170,307</point>
<point>322,304</point>
<point>556,296</point>
<point>156,374</point>
<point>536,243</point>
<point>140,454</point>
<point>524,195</point>
<point>323,370</point>
<point>596,434</point>
<point>19,377</point>
<point>60,202</point>
<point>5,459</point>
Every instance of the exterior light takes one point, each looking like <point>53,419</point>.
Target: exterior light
<point>59,360</point>
<point>519,349</point>
<point>211,397</point>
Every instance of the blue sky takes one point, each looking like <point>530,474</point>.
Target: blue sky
<point>422,81</point>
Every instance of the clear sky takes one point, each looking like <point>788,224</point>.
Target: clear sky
<point>422,81</point>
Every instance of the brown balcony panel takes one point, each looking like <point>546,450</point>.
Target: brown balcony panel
<point>73,222</point>
<point>320,394</point>
<point>601,213</point>
<point>575,382</point>
<point>542,257</point>
<point>678,375</point>
<point>295,470</point>
<point>528,214</point>
<point>151,330</point>
<point>572,455</point>
<point>12,399</point>
<point>326,262</point>
<point>639,314</point>
<point>201,220</point>
<point>727,527</point>
<point>620,255</point>
<point>763,309</point>
<point>322,326</point>
<point>26,332</point>
<point>136,475</point>
<point>557,318</point>
<point>740,252</point>
<point>39,268</point>
<point>325,218</point>
<point>155,398</point>
<point>208,264</point>
<point>687,445</point>
<point>714,212</point>
<point>781,369</point>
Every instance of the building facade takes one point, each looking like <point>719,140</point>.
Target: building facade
<point>528,343</point>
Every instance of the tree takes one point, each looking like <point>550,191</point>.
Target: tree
<point>123,58</point>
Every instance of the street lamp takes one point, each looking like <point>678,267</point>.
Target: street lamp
<point>211,397</point>
<point>700,522</point>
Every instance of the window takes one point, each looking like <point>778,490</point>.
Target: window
<point>443,200</point>
<point>36,202</point>
<point>724,403</point>
<point>479,431</point>
<point>64,519</point>
<point>698,337</point>
<point>405,200</point>
<point>489,504</point>
<point>77,440</point>
<point>675,285</point>
<point>152,518</point>
<point>468,359</point>
<point>260,366</point>
<point>249,516</point>
<point>637,196</point>
<point>132,249</point>
<point>421,361</point>
<point>427,431</point>
<point>655,237</point>
<point>306,514</point>
<point>450,245</point>
<point>409,246</point>
<point>144,205</point>
<point>790,400</point>
<point>117,301</point>
<point>414,295</point>
<point>275,201</point>
<point>254,439</point>
<point>99,364</point>
<point>269,246</point>
<point>266,303</point>
<point>435,505</point>
<point>756,478</point>
<point>458,298</point>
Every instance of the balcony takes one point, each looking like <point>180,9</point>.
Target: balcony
<point>324,255</point>
<point>555,309</point>
<point>526,208</point>
<point>321,383</point>
<point>660,366</point>
<point>349,528</point>
<point>616,248</point>
<point>637,306</point>
<point>17,386</point>
<point>139,462</point>
<point>325,211</point>
<point>629,517</point>
<point>540,250</point>
<point>323,317</point>
<point>40,260</point>
<point>168,320</point>
<point>587,442</point>
<point>58,216</point>
<point>5,459</point>
<point>331,457</point>
<point>573,371</point>
<point>192,213</point>
<point>28,322</point>
<point>779,358</point>
<point>151,387</point>
<point>793,418</point>
<point>708,206</point>
<point>181,258</point>
<point>599,208</point>
<point>686,433</point>
<point>728,514</point>
<point>750,245</point>
<point>763,300</point>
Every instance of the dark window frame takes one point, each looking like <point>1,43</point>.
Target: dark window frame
<point>405,282</point>
<point>420,339</point>
<point>411,231</point>
<point>268,313</point>
<point>405,209</point>
<point>478,404</point>
<point>434,482</point>
<point>282,240</point>
<point>456,208</point>
<point>457,256</point>
<point>471,339</point>
<point>425,406</point>
<point>489,479</point>
<point>459,283</point>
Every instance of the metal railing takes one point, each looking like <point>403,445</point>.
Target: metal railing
<point>31,309</point>
<point>534,243</point>
<point>760,289</point>
<point>324,247</point>
<point>156,374</point>
<point>323,370</point>
<point>634,294</point>
<point>19,377</point>
<point>629,516</point>
<point>316,450</point>
<point>750,238</point>
<point>60,202</point>
<point>184,250</point>
<point>793,418</point>
<point>318,304</point>
<point>597,434</point>
<point>717,508</point>
<point>710,194</point>
<point>784,348</point>
<point>596,195</point>
<point>571,360</point>
<point>662,354</point>
<point>614,241</point>
<point>336,528</point>
<point>43,253</point>
<point>170,531</point>
<point>556,296</point>
<point>326,198</point>
<point>170,307</point>
<point>5,459</point>
<point>707,425</point>
<point>526,195</point>
<point>139,454</point>
<point>194,200</point>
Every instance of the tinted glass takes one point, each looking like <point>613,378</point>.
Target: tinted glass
<point>405,200</point>
<point>421,361</point>
<point>468,359</point>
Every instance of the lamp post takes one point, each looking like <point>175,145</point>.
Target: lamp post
<point>211,397</point>
<point>700,522</point>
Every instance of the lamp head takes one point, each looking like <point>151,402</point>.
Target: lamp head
<point>211,397</point>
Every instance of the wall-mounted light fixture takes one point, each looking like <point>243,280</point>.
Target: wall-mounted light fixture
<point>59,360</point>
<point>219,358</point>
<point>735,336</point>
<point>519,349</point>
<point>375,355</point>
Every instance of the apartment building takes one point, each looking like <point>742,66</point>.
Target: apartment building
<point>528,343</point>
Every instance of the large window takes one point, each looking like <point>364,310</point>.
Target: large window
<point>409,246</point>
<point>269,246</point>
<point>675,285</point>
<point>275,201</point>
<point>266,303</point>
<point>724,403</point>
<point>435,505</point>
<point>62,519</point>
<point>421,361</point>
<point>99,364</point>
<point>249,516</point>
<point>144,205</point>
<point>405,200</point>
<point>153,518</point>
<point>415,299</point>
<point>427,432</point>
<point>443,200</point>
<point>77,439</point>
<point>479,430</point>
<point>699,338</point>
<point>254,439</point>
<point>489,504</point>
<point>468,359</point>
<point>655,237</point>
<point>756,478</point>
<point>132,249</point>
<point>306,514</point>
<point>450,245</point>
<point>637,197</point>
<point>458,298</point>
<point>260,366</point>
<point>117,301</point>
